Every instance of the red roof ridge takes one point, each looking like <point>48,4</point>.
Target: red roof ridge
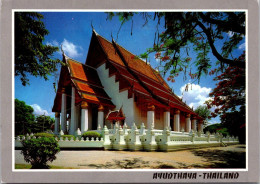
<point>84,82</point>
<point>69,58</point>
<point>132,54</point>
<point>91,94</point>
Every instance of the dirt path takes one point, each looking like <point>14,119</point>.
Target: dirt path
<point>217,157</point>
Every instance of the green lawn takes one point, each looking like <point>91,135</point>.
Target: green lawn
<point>27,166</point>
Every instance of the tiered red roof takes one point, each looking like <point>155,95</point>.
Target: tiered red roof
<point>86,80</point>
<point>132,73</point>
<point>138,77</point>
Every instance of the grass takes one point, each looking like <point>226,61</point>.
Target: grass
<point>27,166</point>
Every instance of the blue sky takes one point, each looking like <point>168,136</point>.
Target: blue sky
<point>73,30</point>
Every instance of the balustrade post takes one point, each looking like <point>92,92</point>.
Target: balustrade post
<point>107,142</point>
<point>166,136</point>
<point>150,143</point>
<point>78,132</point>
<point>61,132</point>
<point>120,143</point>
<point>142,129</point>
<point>135,143</point>
<point>125,129</point>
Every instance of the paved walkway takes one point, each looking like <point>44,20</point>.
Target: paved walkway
<point>218,157</point>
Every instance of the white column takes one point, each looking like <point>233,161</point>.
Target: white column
<point>188,123</point>
<point>77,113</point>
<point>177,120</point>
<point>84,117</point>
<point>193,122</point>
<point>167,117</point>
<point>63,111</point>
<point>100,117</point>
<point>73,117</point>
<point>57,123</point>
<point>150,117</point>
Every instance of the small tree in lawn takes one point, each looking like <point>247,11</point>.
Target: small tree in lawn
<point>39,151</point>
<point>203,112</point>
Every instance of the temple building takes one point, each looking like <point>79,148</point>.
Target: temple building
<point>116,86</point>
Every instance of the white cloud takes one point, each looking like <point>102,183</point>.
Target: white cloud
<point>196,95</point>
<point>71,49</point>
<point>38,110</point>
<point>230,34</point>
<point>242,46</point>
<point>53,43</point>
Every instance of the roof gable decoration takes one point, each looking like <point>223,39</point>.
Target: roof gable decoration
<point>116,115</point>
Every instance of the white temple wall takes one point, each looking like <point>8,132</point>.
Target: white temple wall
<point>120,99</point>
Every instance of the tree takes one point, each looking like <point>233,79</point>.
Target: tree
<point>43,123</point>
<point>229,94</point>
<point>31,55</point>
<point>214,128</point>
<point>24,117</point>
<point>197,30</point>
<point>39,151</point>
<point>229,99</point>
<point>203,112</point>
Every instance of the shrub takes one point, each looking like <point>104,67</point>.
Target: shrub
<point>39,151</point>
<point>69,137</point>
<point>91,134</point>
<point>43,134</point>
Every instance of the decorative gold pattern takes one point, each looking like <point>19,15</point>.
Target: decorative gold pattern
<point>57,114</point>
<point>151,107</point>
<point>101,108</point>
<point>84,105</point>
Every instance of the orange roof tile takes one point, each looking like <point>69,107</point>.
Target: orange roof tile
<point>110,50</point>
<point>82,72</point>
<point>85,87</point>
<point>88,83</point>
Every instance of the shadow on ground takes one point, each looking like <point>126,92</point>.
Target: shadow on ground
<point>213,158</point>
<point>127,163</point>
<point>221,159</point>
